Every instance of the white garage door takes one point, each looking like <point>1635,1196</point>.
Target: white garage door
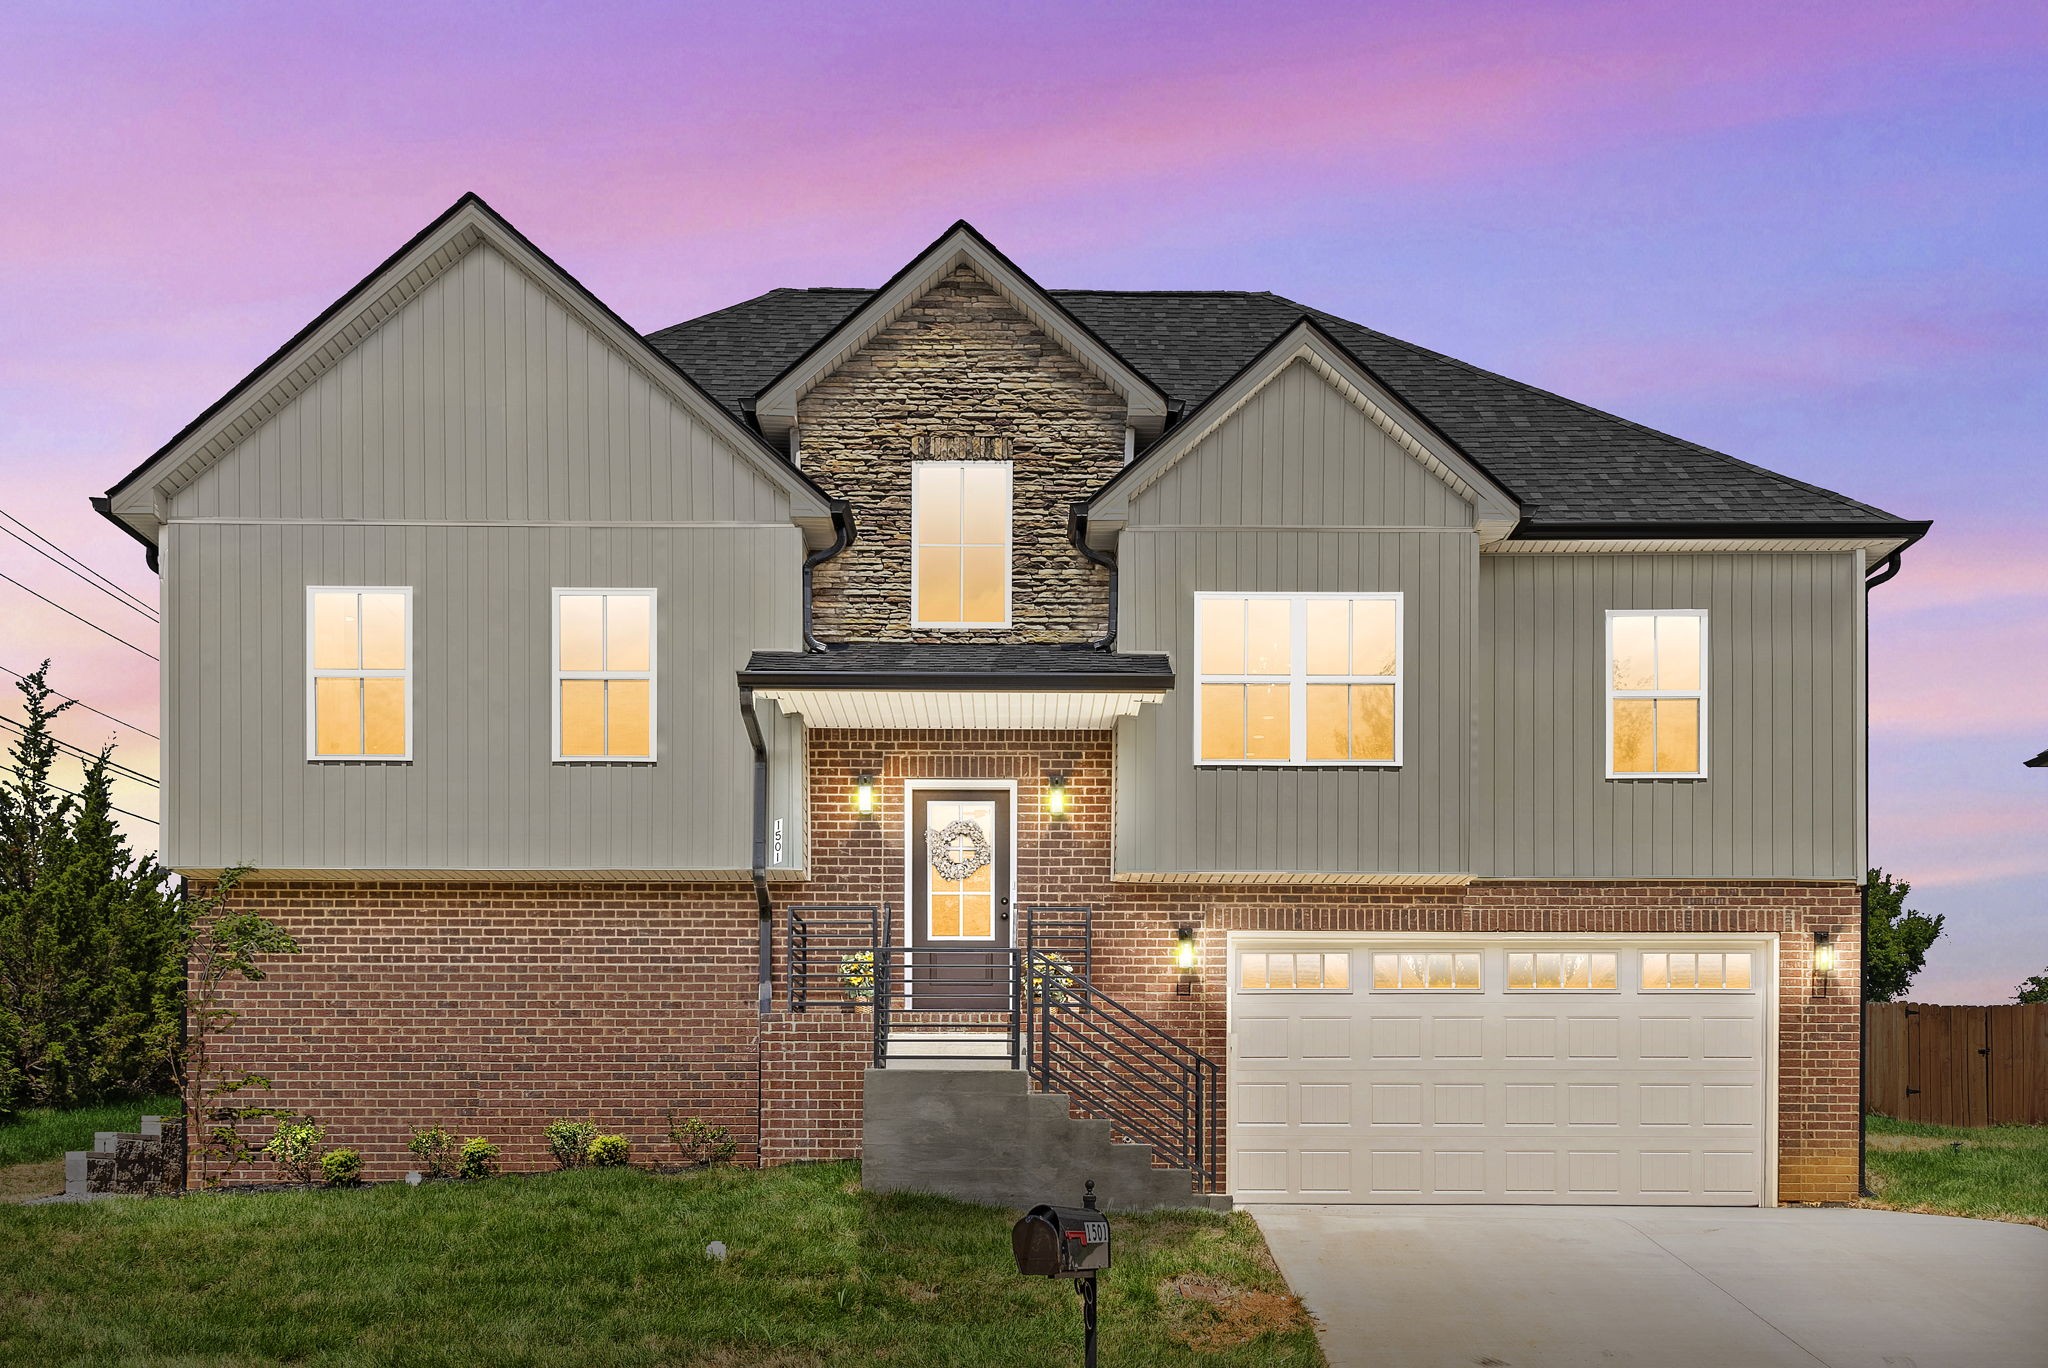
<point>1509,1070</point>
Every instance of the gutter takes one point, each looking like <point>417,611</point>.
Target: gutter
<point>843,534</point>
<point>103,504</point>
<point>1077,533</point>
<point>760,861</point>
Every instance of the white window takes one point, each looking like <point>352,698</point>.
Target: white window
<point>960,544</point>
<point>1656,695</point>
<point>1665,971</point>
<point>1561,970</point>
<point>1294,971</point>
<point>1426,971</point>
<point>1298,679</point>
<point>604,674</point>
<point>358,673</point>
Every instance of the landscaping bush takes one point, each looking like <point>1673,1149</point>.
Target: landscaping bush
<point>569,1141</point>
<point>295,1147</point>
<point>479,1158</point>
<point>610,1151</point>
<point>341,1167</point>
<point>435,1149</point>
<point>702,1143</point>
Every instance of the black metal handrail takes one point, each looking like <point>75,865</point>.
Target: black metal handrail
<point>825,941</point>
<point>902,971</point>
<point>1116,1065</point>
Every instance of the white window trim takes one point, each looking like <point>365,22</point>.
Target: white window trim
<point>1428,948</point>
<point>917,618</point>
<point>653,686</point>
<point>313,673</point>
<point>1508,979</point>
<point>1298,679</point>
<point>1611,693</point>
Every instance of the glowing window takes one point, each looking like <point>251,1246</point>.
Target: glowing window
<point>1667,971</point>
<point>1298,679</point>
<point>604,674</point>
<point>960,532</point>
<point>1294,970</point>
<point>1563,970</point>
<point>359,674</point>
<point>1656,695</point>
<point>1425,971</point>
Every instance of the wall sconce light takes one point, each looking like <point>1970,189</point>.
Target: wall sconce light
<point>1184,948</point>
<point>864,794</point>
<point>1056,795</point>
<point>1823,954</point>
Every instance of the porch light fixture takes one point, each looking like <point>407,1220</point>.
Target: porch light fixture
<point>1056,795</point>
<point>1184,949</point>
<point>1823,954</point>
<point>864,794</point>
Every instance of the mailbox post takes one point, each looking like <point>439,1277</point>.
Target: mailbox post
<point>1066,1242</point>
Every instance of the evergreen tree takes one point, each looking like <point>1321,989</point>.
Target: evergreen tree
<point>91,951</point>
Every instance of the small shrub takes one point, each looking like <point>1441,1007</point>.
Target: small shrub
<point>702,1143</point>
<point>857,975</point>
<point>479,1158</point>
<point>569,1141</point>
<point>341,1167</point>
<point>295,1147</point>
<point>610,1151</point>
<point>435,1149</point>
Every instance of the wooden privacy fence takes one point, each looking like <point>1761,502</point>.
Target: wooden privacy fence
<point>1957,1066</point>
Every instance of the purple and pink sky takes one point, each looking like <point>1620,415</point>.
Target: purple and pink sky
<point>1811,235</point>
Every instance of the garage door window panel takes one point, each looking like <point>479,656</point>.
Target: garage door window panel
<point>1426,971</point>
<point>1296,971</point>
<point>1732,971</point>
<point>1576,971</point>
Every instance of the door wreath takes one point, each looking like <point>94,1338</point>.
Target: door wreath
<point>958,848</point>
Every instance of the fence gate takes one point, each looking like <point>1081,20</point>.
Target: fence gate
<point>1957,1066</point>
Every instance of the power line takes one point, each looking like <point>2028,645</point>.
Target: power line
<point>90,708</point>
<point>80,562</point>
<point>68,613</point>
<point>79,753</point>
<point>123,811</point>
<point>118,598</point>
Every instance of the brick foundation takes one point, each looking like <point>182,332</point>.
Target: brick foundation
<point>493,1008</point>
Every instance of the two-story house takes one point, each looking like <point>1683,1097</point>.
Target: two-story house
<point>1363,776</point>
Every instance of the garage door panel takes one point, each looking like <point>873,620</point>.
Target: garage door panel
<point>1651,1096</point>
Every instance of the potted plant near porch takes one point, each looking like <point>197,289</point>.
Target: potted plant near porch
<point>857,978</point>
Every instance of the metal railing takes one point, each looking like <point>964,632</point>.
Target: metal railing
<point>1118,1066</point>
<point>831,953</point>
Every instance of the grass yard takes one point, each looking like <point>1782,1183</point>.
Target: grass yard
<point>608,1267</point>
<point>1999,1172</point>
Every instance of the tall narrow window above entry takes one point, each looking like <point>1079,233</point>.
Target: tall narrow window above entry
<point>1656,695</point>
<point>960,534</point>
<point>359,674</point>
<point>604,674</point>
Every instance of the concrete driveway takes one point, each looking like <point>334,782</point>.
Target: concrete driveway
<point>1529,1287</point>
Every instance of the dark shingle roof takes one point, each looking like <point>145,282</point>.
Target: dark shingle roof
<point>2038,762</point>
<point>964,664</point>
<point>1570,466</point>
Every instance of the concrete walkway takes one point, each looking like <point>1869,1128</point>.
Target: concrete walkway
<point>1531,1287</point>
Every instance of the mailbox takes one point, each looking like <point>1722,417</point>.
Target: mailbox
<point>1062,1242</point>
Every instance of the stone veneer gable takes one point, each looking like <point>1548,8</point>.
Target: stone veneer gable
<point>961,375</point>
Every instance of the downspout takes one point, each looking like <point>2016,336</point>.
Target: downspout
<point>842,537</point>
<point>1886,568</point>
<point>767,921</point>
<point>1077,533</point>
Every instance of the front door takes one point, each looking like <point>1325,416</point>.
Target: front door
<point>959,908</point>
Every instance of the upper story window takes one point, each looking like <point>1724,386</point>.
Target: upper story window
<point>1656,695</point>
<point>1298,679</point>
<point>960,544</point>
<point>604,674</point>
<point>358,673</point>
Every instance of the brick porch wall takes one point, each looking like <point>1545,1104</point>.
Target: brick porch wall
<point>493,1008</point>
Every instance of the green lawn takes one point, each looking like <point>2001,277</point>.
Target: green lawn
<point>2000,1172</point>
<point>608,1267</point>
<point>44,1133</point>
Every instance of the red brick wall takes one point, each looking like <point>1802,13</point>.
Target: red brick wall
<point>495,1007</point>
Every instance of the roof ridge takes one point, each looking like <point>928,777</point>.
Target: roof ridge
<point>1584,407</point>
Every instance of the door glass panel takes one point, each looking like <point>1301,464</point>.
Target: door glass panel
<point>1656,971</point>
<point>1521,971</point>
<point>1603,970</point>
<point>961,905</point>
<point>1547,971</point>
<point>1337,971</point>
<point>1468,971</point>
<point>1251,971</point>
<point>1738,971</point>
<point>1682,969</point>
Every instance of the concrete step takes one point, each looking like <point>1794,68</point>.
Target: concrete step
<point>982,1135</point>
<point>949,1050</point>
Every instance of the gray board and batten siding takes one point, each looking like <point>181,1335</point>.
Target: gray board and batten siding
<point>484,447</point>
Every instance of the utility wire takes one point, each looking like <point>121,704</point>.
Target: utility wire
<point>79,753</point>
<point>68,613</point>
<point>123,811</point>
<point>121,599</point>
<point>90,708</point>
<point>78,561</point>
